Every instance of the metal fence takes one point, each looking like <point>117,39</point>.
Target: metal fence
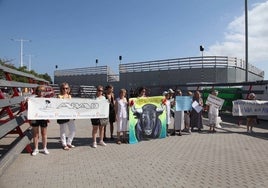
<point>189,63</point>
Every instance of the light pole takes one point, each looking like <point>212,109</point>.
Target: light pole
<point>120,59</point>
<point>30,61</point>
<point>202,51</point>
<point>97,62</point>
<point>246,39</point>
<point>21,48</point>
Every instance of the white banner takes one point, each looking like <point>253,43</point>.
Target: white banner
<point>216,101</point>
<point>75,108</point>
<point>250,107</point>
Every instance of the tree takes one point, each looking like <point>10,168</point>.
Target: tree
<point>8,64</point>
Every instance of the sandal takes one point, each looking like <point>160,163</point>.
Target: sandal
<point>118,142</point>
<point>70,146</point>
<point>65,147</point>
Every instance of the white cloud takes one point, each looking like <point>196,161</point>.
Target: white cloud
<point>234,40</point>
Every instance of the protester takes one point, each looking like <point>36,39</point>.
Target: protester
<point>196,117</point>
<point>111,99</point>
<point>213,113</point>
<point>142,92</point>
<point>168,108</point>
<point>64,123</point>
<point>121,116</point>
<point>187,116</point>
<point>39,91</point>
<point>178,118</point>
<point>96,123</point>
<point>251,120</point>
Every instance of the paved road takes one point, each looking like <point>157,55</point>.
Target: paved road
<point>228,158</point>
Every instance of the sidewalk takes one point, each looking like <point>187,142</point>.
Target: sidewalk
<point>228,158</point>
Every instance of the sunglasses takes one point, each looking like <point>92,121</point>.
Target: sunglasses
<point>100,90</point>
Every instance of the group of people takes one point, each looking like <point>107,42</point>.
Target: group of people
<point>183,120</point>
<point>118,112</point>
<point>66,140</point>
<point>189,120</point>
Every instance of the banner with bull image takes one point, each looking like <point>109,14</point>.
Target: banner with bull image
<point>147,118</point>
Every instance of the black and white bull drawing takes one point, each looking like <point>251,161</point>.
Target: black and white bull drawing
<point>148,125</point>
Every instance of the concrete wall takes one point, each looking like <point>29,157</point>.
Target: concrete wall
<point>160,80</point>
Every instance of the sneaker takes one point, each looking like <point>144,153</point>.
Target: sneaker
<point>35,152</point>
<point>46,151</point>
<point>94,145</point>
<point>102,143</point>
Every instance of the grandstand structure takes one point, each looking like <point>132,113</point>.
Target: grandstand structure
<point>161,74</point>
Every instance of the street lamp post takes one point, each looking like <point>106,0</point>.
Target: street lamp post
<point>30,62</point>
<point>97,61</point>
<point>202,52</point>
<point>120,59</point>
<point>21,48</point>
<point>246,39</point>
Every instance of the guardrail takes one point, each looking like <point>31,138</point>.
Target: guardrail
<point>189,63</point>
<point>13,114</point>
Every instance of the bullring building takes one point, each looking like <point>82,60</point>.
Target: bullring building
<point>161,74</point>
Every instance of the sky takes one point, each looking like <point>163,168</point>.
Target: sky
<point>74,33</point>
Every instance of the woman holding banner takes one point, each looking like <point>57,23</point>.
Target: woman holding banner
<point>178,118</point>
<point>97,123</point>
<point>111,99</point>
<point>64,123</point>
<point>196,113</point>
<point>39,91</point>
<point>213,113</point>
<point>187,115</point>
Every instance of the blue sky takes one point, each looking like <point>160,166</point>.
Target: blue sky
<point>74,33</point>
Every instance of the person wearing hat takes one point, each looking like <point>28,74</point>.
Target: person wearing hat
<point>172,101</point>
<point>168,108</point>
<point>251,120</point>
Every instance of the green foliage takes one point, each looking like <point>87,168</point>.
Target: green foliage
<point>23,69</point>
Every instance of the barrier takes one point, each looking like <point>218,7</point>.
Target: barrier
<point>13,114</point>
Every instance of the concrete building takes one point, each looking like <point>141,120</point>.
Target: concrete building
<point>160,74</point>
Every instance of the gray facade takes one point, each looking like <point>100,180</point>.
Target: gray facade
<point>159,75</point>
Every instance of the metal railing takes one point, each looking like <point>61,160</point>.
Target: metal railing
<point>189,63</point>
<point>83,71</point>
